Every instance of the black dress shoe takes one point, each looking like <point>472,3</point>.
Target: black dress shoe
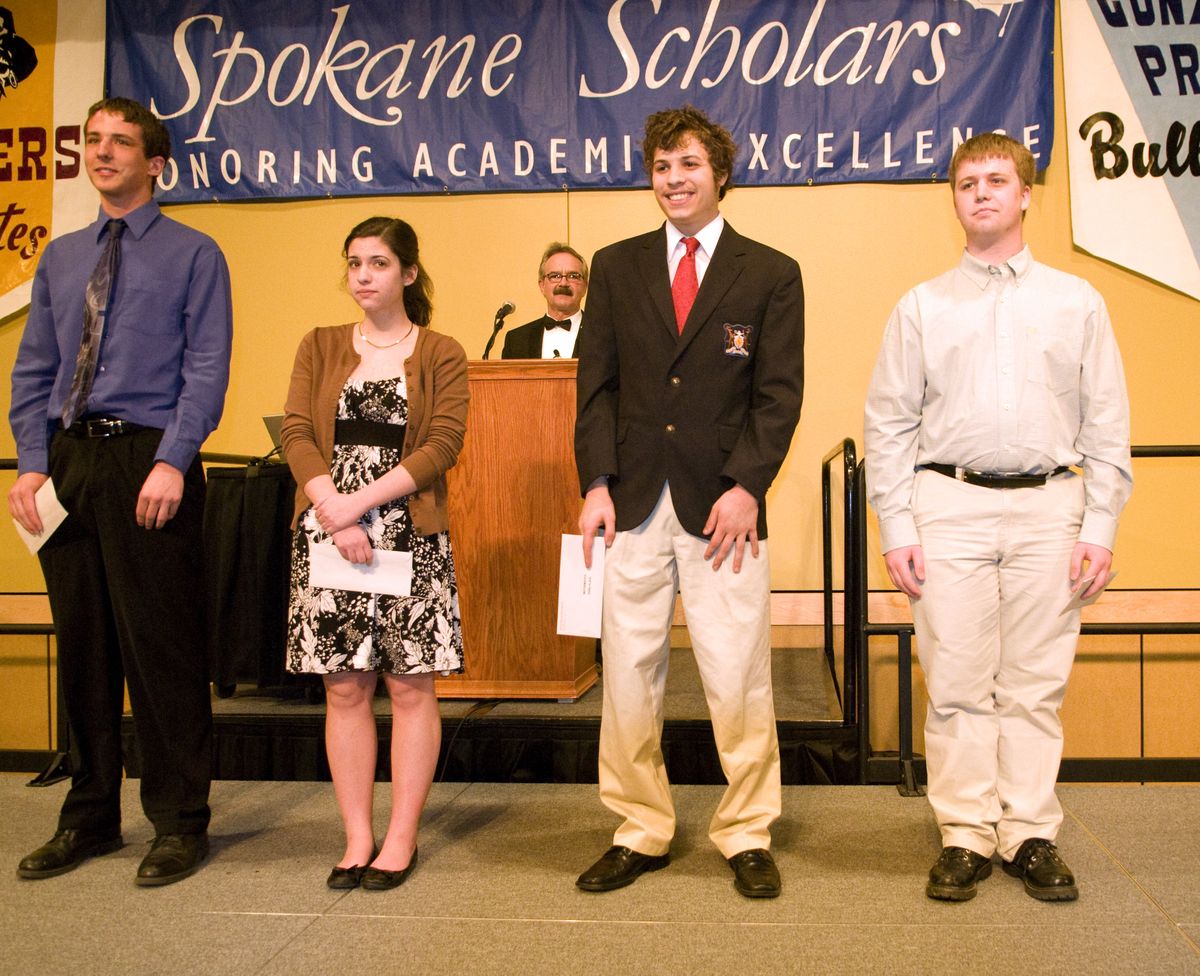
<point>755,874</point>
<point>377,879</point>
<point>955,873</point>
<point>1045,873</point>
<point>172,858</point>
<point>619,867</point>
<point>65,851</point>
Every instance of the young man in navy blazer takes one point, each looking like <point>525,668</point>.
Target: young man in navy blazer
<point>689,390</point>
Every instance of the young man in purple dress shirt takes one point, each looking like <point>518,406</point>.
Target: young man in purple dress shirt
<point>123,571</point>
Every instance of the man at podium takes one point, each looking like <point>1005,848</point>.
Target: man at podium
<point>563,281</point>
<point>689,388</point>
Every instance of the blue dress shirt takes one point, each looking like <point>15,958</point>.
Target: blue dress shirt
<point>164,355</point>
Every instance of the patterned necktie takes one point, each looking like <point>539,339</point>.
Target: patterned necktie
<point>685,285</point>
<point>95,308</point>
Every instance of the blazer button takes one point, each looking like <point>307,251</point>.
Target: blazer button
<point>670,428</point>
<point>675,381</point>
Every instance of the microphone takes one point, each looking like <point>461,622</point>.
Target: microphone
<point>506,309</point>
<point>557,354</point>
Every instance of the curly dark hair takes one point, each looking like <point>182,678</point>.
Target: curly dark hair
<point>671,128</point>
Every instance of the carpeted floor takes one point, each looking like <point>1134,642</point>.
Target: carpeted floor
<point>494,892</point>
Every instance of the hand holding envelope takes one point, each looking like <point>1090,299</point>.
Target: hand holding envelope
<point>50,511</point>
<point>389,573</point>
<point>580,590</point>
<point>1078,601</point>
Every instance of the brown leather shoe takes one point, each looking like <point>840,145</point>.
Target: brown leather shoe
<point>1045,873</point>
<point>620,866</point>
<point>954,874</point>
<point>65,851</point>
<point>755,874</point>
<point>172,858</point>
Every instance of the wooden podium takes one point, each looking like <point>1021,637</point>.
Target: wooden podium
<point>513,493</point>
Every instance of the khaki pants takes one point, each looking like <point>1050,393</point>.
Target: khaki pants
<point>728,617</point>
<point>996,649</point>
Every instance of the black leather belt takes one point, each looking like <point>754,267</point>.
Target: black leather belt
<point>92,427</point>
<point>370,432</point>
<point>995,480</point>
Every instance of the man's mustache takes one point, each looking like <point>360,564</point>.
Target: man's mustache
<point>563,290</point>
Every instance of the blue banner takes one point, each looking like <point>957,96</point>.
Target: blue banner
<point>291,98</point>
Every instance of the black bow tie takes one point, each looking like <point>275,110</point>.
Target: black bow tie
<point>550,323</point>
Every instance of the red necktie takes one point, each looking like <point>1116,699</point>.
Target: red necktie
<point>685,285</point>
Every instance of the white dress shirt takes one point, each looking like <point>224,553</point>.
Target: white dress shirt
<point>707,236</point>
<point>1004,370</point>
<point>561,341</point>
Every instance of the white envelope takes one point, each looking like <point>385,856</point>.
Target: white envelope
<point>580,590</point>
<point>50,511</point>
<point>389,573</point>
<point>1077,602</point>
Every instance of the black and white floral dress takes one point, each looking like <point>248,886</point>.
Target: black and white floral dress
<point>342,630</point>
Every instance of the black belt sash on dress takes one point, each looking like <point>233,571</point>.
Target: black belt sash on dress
<point>372,433</point>
<point>984,480</point>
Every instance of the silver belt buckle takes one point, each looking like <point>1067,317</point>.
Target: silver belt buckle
<point>104,427</point>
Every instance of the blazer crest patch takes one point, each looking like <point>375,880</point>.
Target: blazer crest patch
<point>737,339</point>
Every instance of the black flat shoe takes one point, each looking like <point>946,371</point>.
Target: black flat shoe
<point>343,879</point>
<point>620,866</point>
<point>377,879</point>
<point>955,874</point>
<point>65,851</point>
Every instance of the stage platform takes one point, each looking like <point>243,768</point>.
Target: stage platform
<point>279,735</point>
<point>494,892</point>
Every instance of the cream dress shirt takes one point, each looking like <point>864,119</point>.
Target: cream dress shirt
<point>1009,369</point>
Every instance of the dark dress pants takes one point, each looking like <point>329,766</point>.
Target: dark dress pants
<point>128,606</point>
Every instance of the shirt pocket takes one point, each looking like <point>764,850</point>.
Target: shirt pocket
<point>148,311</point>
<point>1055,360</point>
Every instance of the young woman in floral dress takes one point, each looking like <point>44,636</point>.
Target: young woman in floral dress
<point>375,417</point>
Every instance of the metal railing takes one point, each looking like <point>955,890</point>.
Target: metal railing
<point>858,629</point>
<point>852,692</point>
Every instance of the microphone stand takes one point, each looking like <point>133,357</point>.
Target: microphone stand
<point>496,327</point>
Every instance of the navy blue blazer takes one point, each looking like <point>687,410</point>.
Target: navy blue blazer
<point>706,409</point>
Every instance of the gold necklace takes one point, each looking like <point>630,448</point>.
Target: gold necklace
<point>385,345</point>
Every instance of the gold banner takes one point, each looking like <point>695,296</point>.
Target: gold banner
<point>51,69</point>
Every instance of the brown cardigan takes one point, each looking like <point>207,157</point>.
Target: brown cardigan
<point>436,377</point>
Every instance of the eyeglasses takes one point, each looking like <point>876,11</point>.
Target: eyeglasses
<point>557,276</point>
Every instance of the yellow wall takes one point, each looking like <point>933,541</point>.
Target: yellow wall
<point>860,248</point>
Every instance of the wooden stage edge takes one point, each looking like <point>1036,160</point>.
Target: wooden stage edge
<point>467,687</point>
